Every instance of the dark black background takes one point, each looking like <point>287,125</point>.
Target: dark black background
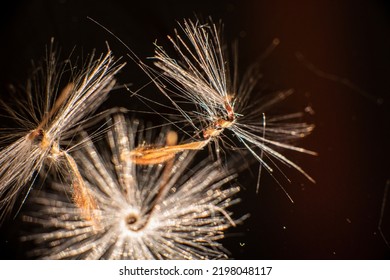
<point>336,218</point>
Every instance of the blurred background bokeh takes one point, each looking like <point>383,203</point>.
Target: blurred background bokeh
<point>347,42</point>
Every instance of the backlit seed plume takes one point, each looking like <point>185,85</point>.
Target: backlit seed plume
<point>161,211</point>
<point>201,75</point>
<point>57,98</point>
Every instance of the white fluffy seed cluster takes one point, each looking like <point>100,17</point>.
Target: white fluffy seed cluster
<point>186,224</point>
